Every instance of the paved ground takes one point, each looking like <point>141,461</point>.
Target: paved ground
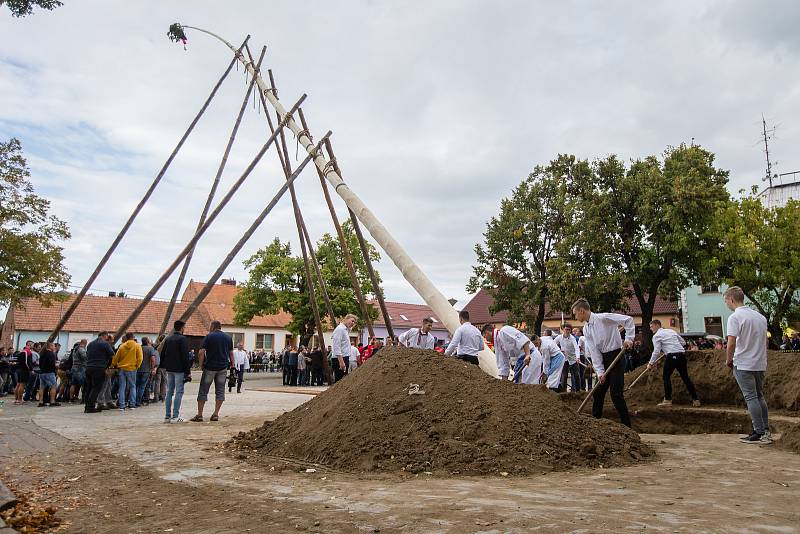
<point>177,477</point>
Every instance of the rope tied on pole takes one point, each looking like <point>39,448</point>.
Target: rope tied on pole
<point>329,166</point>
<point>297,137</point>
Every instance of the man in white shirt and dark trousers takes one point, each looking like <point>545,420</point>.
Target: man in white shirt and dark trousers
<point>674,348</point>
<point>569,347</point>
<point>419,338</point>
<point>747,356</point>
<point>340,346</point>
<point>467,340</point>
<point>509,343</point>
<point>603,344</point>
<point>241,362</point>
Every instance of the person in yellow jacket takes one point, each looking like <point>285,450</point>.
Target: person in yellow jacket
<point>127,359</point>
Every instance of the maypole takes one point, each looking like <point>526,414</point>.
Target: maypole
<point>411,272</point>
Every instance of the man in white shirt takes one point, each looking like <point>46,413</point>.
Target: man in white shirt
<point>552,360</point>
<point>509,343</point>
<point>747,356</point>
<point>340,346</point>
<point>241,362</point>
<point>419,338</point>
<point>674,348</point>
<point>532,373</point>
<point>569,347</point>
<point>467,341</point>
<point>603,344</point>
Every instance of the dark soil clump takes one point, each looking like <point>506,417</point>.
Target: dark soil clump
<point>715,383</point>
<point>465,422</point>
<point>790,440</point>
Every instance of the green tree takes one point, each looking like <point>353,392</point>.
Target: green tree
<point>759,250</point>
<point>512,263</point>
<point>649,223</point>
<point>21,8</point>
<point>277,282</point>
<point>32,262</point>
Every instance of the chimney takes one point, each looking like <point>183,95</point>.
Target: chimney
<point>228,282</point>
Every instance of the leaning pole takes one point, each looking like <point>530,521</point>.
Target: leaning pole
<point>411,272</point>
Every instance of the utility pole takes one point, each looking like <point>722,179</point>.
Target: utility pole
<point>767,135</point>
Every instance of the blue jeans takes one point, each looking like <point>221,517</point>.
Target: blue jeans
<point>127,389</point>
<point>141,384</point>
<point>174,389</point>
<point>751,384</point>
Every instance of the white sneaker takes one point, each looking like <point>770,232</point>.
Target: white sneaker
<point>167,419</point>
<point>766,437</point>
<point>178,420</point>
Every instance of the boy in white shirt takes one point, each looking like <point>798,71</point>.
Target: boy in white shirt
<point>673,346</point>
<point>747,356</point>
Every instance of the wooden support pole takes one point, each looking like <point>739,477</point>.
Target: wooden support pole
<point>348,258</point>
<point>209,199</point>
<point>245,237</point>
<point>286,166</point>
<point>82,293</point>
<point>376,288</point>
<point>192,242</point>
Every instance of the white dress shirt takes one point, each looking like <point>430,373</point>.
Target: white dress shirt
<point>414,338</point>
<point>666,341</point>
<point>602,335</point>
<point>241,358</point>
<point>569,346</point>
<point>548,348</point>
<point>340,342</point>
<point>508,343</point>
<point>467,340</point>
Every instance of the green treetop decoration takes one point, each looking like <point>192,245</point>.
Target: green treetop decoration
<point>176,34</point>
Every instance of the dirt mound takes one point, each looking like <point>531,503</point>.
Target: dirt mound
<point>715,383</point>
<point>465,423</point>
<point>790,439</point>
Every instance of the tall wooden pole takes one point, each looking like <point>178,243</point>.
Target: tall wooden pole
<point>364,252</point>
<point>209,199</point>
<point>348,258</point>
<point>82,293</point>
<point>245,237</point>
<point>410,270</point>
<point>192,242</point>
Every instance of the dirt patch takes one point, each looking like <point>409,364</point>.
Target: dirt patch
<point>790,440</point>
<point>715,383</point>
<point>461,421</point>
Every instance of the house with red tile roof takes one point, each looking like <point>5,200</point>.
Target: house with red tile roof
<point>403,316</point>
<point>668,312</point>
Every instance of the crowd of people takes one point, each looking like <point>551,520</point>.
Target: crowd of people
<point>584,358</point>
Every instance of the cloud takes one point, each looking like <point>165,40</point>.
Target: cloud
<point>438,110</point>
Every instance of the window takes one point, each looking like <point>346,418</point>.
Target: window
<point>265,341</point>
<point>713,325</point>
<point>403,317</point>
<point>709,289</point>
<point>238,337</point>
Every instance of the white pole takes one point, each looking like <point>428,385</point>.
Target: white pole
<point>411,272</point>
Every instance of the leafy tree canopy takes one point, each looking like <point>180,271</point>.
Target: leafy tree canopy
<point>22,8</point>
<point>31,262</point>
<point>277,282</point>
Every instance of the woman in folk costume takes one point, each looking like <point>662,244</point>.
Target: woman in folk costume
<point>553,360</point>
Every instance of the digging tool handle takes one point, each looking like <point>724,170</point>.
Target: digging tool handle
<point>516,375</point>
<point>608,369</point>
<point>643,373</point>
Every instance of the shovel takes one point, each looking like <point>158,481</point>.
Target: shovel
<point>643,373</point>
<point>608,369</point>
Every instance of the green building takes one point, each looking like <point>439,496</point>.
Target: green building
<point>703,310</point>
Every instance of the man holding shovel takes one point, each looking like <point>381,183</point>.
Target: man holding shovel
<point>673,346</point>
<point>509,343</point>
<point>603,344</point>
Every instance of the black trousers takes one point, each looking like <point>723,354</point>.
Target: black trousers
<point>468,358</point>
<point>677,360</point>
<point>293,375</point>
<point>286,374</point>
<point>317,375</point>
<point>337,372</point>
<point>615,381</point>
<point>568,371</point>
<point>95,376</point>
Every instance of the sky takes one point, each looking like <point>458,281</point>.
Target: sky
<point>438,110</point>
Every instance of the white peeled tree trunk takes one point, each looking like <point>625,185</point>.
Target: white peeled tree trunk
<point>421,283</point>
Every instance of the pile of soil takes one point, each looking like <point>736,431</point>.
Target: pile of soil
<point>790,440</point>
<point>465,422</point>
<point>715,383</point>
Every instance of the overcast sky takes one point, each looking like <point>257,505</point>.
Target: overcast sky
<point>438,110</point>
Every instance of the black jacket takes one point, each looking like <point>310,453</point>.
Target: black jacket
<point>99,354</point>
<point>175,354</point>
